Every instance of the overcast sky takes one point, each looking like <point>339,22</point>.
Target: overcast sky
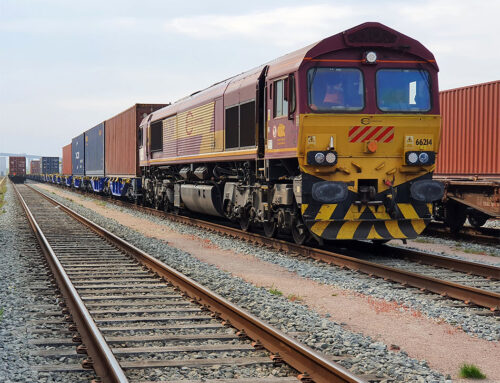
<point>67,65</point>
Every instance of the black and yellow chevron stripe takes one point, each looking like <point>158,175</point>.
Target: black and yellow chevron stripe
<point>343,221</point>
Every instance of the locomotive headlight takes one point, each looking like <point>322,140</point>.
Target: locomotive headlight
<point>331,157</point>
<point>423,157</point>
<point>371,57</point>
<point>412,158</point>
<point>319,158</point>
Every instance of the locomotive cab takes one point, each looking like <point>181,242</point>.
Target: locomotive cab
<point>368,136</point>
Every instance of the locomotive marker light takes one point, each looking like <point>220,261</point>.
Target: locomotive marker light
<point>370,57</point>
<point>412,158</point>
<point>322,158</point>
<point>420,158</point>
<point>423,157</point>
<point>319,158</point>
<point>331,158</point>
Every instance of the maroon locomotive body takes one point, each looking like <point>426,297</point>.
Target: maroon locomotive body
<point>335,141</point>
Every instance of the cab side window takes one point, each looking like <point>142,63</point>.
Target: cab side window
<point>280,98</point>
<point>156,144</point>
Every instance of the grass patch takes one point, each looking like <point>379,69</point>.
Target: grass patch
<point>470,371</point>
<point>3,190</point>
<point>101,203</point>
<point>1,313</point>
<point>273,290</point>
<point>473,251</point>
<point>295,298</point>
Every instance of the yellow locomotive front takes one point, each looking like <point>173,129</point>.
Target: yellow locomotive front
<point>369,130</point>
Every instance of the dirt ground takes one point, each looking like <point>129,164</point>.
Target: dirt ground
<point>443,346</point>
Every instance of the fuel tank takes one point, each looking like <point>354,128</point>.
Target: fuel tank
<point>203,199</point>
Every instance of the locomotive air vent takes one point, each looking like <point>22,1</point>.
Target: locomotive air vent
<point>371,36</point>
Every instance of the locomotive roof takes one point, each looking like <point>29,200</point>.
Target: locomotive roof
<point>368,35</point>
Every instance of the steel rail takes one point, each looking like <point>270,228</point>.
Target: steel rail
<point>483,235</point>
<point>302,358</point>
<point>464,293</point>
<point>104,362</point>
<point>473,268</point>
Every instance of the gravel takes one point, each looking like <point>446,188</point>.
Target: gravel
<point>485,327</point>
<point>21,303</point>
<point>469,247</point>
<point>365,356</point>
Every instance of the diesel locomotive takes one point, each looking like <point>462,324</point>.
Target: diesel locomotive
<point>334,141</point>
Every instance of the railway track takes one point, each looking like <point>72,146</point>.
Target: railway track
<point>482,235</point>
<point>44,319</point>
<point>481,291</point>
<point>140,320</point>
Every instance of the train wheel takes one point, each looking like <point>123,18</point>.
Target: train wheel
<point>245,222</point>
<point>454,215</point>
<point>270,229</point>
<point>477,219</point>
<point>158,204</point>
<point>299,233</point>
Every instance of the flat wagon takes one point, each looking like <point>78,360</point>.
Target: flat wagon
<point>468,162</point>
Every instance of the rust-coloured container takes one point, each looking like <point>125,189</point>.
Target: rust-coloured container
<point>67,167</point>
<point>35,167</point>
<point>121,140</point>
<point>470,142</point>
<point>17,166</point>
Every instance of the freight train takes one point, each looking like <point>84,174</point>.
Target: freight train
<point>334,141</point>
<point>469,160</point>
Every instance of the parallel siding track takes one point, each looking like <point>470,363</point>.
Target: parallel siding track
<point>483,235</point>
<point>139,318</point>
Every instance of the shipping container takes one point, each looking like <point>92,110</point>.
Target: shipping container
<point>67,169</point>
<point>50,165</point>
<point>78,155</point>
<point>470,142</point>
<point>35,167</point>
<point>17,166</point>
<point>94,151</point>
<point>120,147</point>
<point>3,166</point>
